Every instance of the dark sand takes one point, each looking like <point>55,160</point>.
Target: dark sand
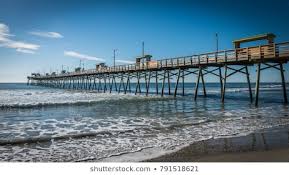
<point>270,145</point>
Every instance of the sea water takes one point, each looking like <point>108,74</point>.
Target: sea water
<point>46,124</point>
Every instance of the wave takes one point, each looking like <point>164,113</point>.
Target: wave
<point>44,104</point>
<point>54,138</point>
<point>122,98</point>
<point>108,133</point>
<point>245,89</point>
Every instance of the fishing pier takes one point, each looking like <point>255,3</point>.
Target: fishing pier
<point>222,64</point>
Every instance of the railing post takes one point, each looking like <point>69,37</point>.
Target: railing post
<point>274,50</point>
<point>236,54</point>
<point>248,55</point>
<point>260,50</point>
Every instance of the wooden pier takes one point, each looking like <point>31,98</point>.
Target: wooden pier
<point>222,64</point>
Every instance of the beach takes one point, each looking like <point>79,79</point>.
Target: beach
<point>270,145</point>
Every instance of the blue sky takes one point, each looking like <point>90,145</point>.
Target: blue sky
<point>42,35</point>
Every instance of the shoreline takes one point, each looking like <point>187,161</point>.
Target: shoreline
<point>268,145</point>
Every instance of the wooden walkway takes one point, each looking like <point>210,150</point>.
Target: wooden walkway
<point>221,64</point>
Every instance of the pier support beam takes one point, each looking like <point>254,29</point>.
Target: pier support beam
<point>257,84</point>
<point>243,70</point>
<point>200,76</point>
<point>278,66</point>
<point>224,84</point>
<point>221,79</point>
<point>177,83</point>
<point>183,83</point>
<point>169,83</point>
<point>283,83</point>
<point>203,83</point>
<point>127,83</point>
<point>197,83</point>
<point>148,83</point>
<point>163,85</point>
<point>157,84</point>
<point>137,89</point>
<point>249,84</point>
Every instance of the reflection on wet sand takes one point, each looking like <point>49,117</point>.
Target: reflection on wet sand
<point>259,142</point>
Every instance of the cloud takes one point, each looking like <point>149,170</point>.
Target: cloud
<point>125,61</point>
<point>82,56</point>
<point>25,51</point>
<point>47,34</point>
<point>19,46</point>
<point>4,32</point>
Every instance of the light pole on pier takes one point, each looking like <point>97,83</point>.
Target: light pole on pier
<point>220,69</point>
<point>114,51</point>
<point>143,49</point>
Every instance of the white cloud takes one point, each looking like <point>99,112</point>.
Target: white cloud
<point>124,61</point>
<point>82,56</point>
<point>19,46</point>
<point>4,32</point>
<point>25,51</point>
<point>47,34</point>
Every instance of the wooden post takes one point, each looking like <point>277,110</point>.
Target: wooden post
<point>89,86</point>
<point>129,87</point>
<point>99,84</point>
<point>148,84</point>
<point>127,81</point>
<point>197,82</point>
<point>257,84</point>
<point>70,82</point>
<point>183,83</point>
<point>203,83</point>
<point>169,83</point>
<point>177,83</point>
<point>224,84</point>
<point>111,85</point>
<point>221,79</point>
<point>105,88</point>
<point>163,85</point>
<point>81,83</point>
<point>115,86</point>
<point>77,82</point>
<point>120,83</point>
<point>249,83</point>
<point>93,87</point>
<point>139,87</point>
<point>136,88</point>
<point>157,85</point>
<point>283,83</point>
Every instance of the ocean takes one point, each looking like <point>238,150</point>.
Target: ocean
<point>43,124</point>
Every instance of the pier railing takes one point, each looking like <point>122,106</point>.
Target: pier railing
<point>248,54</point>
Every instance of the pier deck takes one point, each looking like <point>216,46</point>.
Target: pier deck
<point>237,60</point>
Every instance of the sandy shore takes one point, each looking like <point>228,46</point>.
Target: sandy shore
<point>271,145</point>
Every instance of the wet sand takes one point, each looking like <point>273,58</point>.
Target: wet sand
<point>270,145</point>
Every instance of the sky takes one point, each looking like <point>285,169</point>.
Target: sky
<point>46,35</point>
